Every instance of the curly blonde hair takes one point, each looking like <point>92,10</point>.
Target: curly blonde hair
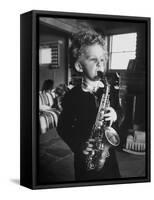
<point>83,39</point>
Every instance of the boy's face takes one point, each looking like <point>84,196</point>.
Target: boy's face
<point>92,60</point>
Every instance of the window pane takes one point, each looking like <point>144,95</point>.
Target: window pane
<point>120,60</point>
<point>124,42</point>
<point>45,56</point>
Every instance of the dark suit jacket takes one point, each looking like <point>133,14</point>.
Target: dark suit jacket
<point>75,125</point>
<point>79,114</point>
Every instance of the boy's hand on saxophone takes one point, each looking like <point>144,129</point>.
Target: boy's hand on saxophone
<point>110,115</point>
<point>89,147</point>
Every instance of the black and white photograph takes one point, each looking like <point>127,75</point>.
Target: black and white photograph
<point>93,97</point>
<point>76,100</point>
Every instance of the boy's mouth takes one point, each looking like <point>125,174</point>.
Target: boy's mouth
<point>99,75</point>
<point>96,78</point>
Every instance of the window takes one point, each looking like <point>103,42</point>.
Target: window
<point>49,54</point>
<point>122,50</point>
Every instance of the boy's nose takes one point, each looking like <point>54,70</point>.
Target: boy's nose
<point>98,64</point>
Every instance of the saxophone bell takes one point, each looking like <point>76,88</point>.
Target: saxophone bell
<point>112,136</point>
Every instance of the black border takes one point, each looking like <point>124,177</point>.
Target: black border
<point>29,80</point>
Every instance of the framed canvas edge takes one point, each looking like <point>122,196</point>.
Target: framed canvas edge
<point>25,100</point>
<point>37,13</point>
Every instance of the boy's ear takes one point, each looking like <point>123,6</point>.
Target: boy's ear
<point>78,67</point>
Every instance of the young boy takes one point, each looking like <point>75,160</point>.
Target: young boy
<point>80,106</point>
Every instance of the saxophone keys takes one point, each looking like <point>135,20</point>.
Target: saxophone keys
<point>92,153</point>
<point>102,147</point>
<point>99,124</point>
<point>91,166</point>
<point>85,152</point>
<point>107,154</point>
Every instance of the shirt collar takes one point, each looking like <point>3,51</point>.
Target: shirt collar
<point>92,86</point>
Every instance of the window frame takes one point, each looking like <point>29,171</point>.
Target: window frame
<point>110,43</point>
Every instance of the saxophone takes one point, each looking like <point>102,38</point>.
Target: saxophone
<point>103,136</point>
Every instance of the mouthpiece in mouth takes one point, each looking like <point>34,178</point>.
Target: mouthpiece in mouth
<point>100,74</point>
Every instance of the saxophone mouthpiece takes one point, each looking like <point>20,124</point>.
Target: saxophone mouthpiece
<point>100,74</point>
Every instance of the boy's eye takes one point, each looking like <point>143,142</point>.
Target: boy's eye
<point>93,59</point>
<point>102,60</point>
